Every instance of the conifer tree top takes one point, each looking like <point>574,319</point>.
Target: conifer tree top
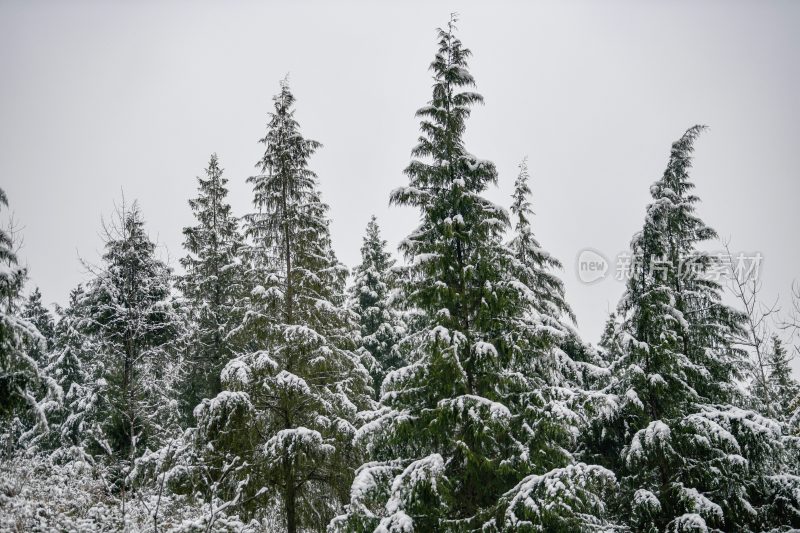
<point>373,248</point>
<point>443,122</point>
<point>286,148</point>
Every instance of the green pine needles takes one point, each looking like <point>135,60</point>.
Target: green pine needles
<point>264,387</point>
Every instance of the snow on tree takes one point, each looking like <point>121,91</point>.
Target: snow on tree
<point>565,499</point>
<point>37,314</point>
<point>784,387</point>
<point>457,380</point>
<point>380,324</point>
<point>70,351</point>
<point>607,346</point>
<point>685,457</point>
<point>78,431</point>
<point>471,415</point>
<point>26,393</point>
<point>674,279</point>
<point>69,366</point>
<point>212,286</point>
<point>40,495</point>
<point>131,393</point>
<point>533,264</point>
<point>204,465</point>
<point>549,311</point>
<point>300,391</point>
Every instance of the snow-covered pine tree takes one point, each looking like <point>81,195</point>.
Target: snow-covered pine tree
<point>131,313</point>
<point>23,407</point>
<point>606,345</point>
<point>76,428</point>
<point>462,425</point>
<point>784,387</point>
<point>534,265</point>
<point>212,286</point>
<point>37,314</point>
<point>70,338</point>
<point>794,416</point>
<point>687,460</point>
<point>380,325</point>
<point>40,350</point>
<point>535,268</point>
<point>299,393</point>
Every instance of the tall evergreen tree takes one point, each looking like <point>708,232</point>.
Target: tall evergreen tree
<point>23,412</point>
<point>784,387</point>
<point>606,343</point>
<point>536,269</point>
<point>131,313</point>
<point>533,264</point>
<point>37,314</point>
<point>300,391</point>
<point>73,365</point>
<point>468,418</point>
<point>688,461</point>
<point>40,350</point>
<point>72,348</point>
<point>212,286</point>
<point>380,325</point>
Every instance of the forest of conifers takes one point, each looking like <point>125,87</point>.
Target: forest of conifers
<point>263,386</point>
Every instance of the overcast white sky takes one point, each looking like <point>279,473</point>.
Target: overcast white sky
<point>100,97</point>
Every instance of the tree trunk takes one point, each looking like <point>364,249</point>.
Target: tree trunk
<point>290,503</point>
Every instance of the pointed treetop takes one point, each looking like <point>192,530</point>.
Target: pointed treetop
<point>283,137</point>
<point>373,252</point>
<point>674,183</point>
<point>520,205</point>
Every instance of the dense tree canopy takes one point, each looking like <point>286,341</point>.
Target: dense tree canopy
<point>264,387</point>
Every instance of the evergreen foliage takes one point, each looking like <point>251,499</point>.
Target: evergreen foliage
<point>23,409</point>
<point>785,389</point>
<point>130,312</point>
<point>213,286</point>
<point>534,265</point>
<point>72,365</point>
<point>380,324</point>
<point>687,459</point>
<point>472,413</point>
<point>449,391</point>
<point>37,314</point>
<point>301,390</point>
